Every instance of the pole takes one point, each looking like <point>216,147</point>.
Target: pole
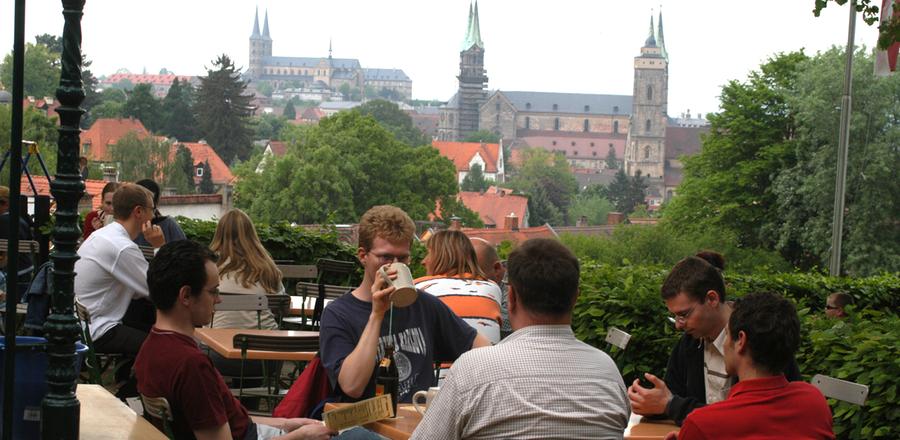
<point>15,170</point>
<point>60,409</point>
<point>837,224</point>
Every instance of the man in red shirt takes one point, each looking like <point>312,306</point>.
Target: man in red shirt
<point>762,335</point>
<point>183,281</point>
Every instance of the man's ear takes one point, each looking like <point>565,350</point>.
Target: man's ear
<point>360,253</point>
<point>512,297</point>
<point>184,295</point>
<point>740,344</point>
<point>713,297</point>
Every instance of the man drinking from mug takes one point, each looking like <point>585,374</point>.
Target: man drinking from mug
<point>354,330</point>
<point>539,382</point>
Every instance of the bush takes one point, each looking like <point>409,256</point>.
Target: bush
<point>810,290</point>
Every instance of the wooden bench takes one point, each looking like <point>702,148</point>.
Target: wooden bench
<point>25,246</point>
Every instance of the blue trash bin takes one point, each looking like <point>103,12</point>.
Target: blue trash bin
<point>30,383</point>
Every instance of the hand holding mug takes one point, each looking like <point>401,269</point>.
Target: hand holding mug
<point>399,276</point>
<point>153,234</point>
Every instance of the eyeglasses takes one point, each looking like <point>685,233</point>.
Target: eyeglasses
<point>682,317</point>
<point>830,307</point>
<point>389,258</point>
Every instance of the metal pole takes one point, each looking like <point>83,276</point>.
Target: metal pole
<point>60,409</point>
<point>843,146</point>
<point>15,170</point>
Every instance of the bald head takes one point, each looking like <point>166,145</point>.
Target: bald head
<point>488,260</point>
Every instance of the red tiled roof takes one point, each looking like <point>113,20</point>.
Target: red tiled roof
<point>190,199</point>
<point>312,114</point>
<point>136,78</point>
<point>278,148</point>
<point>93,188</point>
<point>106,132</point>
<point>461,153</point>
<point>494,206</point>
<point>201,153</point>
<point>497,236</point>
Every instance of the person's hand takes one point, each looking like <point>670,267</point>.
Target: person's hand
<point>649,401</point>
<point>297,422</point>
<point>381,292</point>
<point>672,436</point>
<point>313,431</point>
<point>153,234</point>
<point>97,222</point>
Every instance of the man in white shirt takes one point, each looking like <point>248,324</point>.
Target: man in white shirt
<point>540,382</point>
<point>111,271</point>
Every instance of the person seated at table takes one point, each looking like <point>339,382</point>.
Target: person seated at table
<point>25,265</point>
<point>454,276</point>
<point>834,305</point>
<point>761,339</point>
<point>97,219</point>
<point>170,229</point>
<point>111,272</point>
<point>354,328</point>
<point>494,270</point>
<point>694,292</point>
<point>183,281</point>
<point>541,381</point>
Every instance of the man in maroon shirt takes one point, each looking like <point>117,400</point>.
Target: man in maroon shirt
<point>762,335</point>
<point>183,281</point>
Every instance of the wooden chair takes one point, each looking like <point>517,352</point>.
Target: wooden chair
<point>280,305</point>
<point>243,302</point>
<point>148,252</point>
<point>97,363</point>
<point>158,412</point>
<point>846,391</point>
<point>320,293</point>
<point>246,342</point>
<point>298,272</point>
<point>339,268</point>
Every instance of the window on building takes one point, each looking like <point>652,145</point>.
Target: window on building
<point>587,108</point>
<point>527,106</point>
<point>615,109</point>
<point>199,171</point>
<point>647,126</point>
<point>554,143</point>
<point>647,153</point>
<point>592,144</point>
<point>594,153</point>
<point>574,152</point>
<point>649,93</point>
<point>555,107</point>
<point>587,125</point>
<point>615,127</point>
<point>573,143</point>
<point>527,123</point>
<point>556,124</point>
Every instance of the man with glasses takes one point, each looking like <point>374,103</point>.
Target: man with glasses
<point>694,292</point>
<point>356,328</point>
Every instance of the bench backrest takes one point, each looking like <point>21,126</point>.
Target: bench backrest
<point>25,246</point>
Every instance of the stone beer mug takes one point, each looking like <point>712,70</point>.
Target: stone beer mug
<point>428,396</point>
<point>404,289</point>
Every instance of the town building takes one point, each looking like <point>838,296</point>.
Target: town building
<point>159,84</point>
<point>465,155</point>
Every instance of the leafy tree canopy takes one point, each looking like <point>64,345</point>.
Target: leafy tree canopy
<point>486,136</point>
<point>142,105</point>
<point>474,180</point>
<point>552,186</point>
<point>394,120</point>
<point>222,110</point>
<point>177,114</point>
<point>41,75</point>
<point>138,158</point>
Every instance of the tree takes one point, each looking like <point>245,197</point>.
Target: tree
<point>36,127</point>
<point>223,110</point>
<point>142,105</point>
<point>548,174</point>
<point>139,158</point>
<point>591,205</point>
<point>474,180</point>
<point>206,183</point>
<point>452,207</point>
<point>611,161</point>
<point>51,42</point>
<point>41,75</point>
<point>888,31</point>
<point>265,88</point>
<point>289,112</point>
<point>345,90</point>
<point>394,120</point>
<point>542,209</point>
<point>268,126</point>
<point>180,173</point>
<point>339,169</point>
<point>486,136</point>
<point>637,191</point>
<point>177,115</point>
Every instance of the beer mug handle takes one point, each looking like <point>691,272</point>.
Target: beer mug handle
<point>384,275</point>
<point>420,408</point>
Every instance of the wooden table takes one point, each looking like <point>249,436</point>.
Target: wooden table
<point>398,428</point>
<point>103,417</point>
<point>221,340</point>
<point>300,309</point>
<point>640,428</point>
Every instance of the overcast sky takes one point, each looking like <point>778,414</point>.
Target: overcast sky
<point>583,46</point>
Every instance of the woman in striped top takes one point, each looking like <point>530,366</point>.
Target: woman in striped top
<point>453,276</point>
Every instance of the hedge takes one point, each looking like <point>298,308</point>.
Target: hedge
<point>861,349</point>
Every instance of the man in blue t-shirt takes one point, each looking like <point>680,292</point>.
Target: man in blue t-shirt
<point>354,328</point>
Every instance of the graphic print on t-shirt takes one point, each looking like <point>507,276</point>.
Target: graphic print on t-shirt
<point>409,342</point>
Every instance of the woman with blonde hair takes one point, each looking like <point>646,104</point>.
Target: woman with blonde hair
<point>453,275</point>
<point>244,267</point>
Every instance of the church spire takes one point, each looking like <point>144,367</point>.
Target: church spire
<point>660,37</point>
<point>255,23</point>
<point>266,27</point>
<point>473,30</point>
<point>651,40</point>
<point>329,48</point>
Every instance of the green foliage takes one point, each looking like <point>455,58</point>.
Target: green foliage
<point>341,168</point>
<point>41,74</point>
<point>888,30</point>
<point>206,184</point>
<point>138,158</point>
<point>486,136</point>
<point>394,120</point>
<point>549,182</point>
<point>110,103</point>
<point>36,127</point>
<point>474,180</point>
<point>590,205</point>
<point>863,349</point>
<point>177,114</point>
<point>626,193</point>
<point>180,173</point>
<point>222,110</point>
<point>810,290</point>
<point>265,88</point>
<point>269,126</point>
<point>283,241</point>
<point>289,111</point>
<point>142,105</point>
<point>451,206</point>
<point>611,161</point>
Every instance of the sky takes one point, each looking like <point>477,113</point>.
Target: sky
<point>576,46</point>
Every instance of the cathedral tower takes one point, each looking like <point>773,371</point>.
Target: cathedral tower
<point>472,77</point>
<point>257,48</point>
<point>645,149</point>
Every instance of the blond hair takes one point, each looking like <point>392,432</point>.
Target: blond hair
<point>451,253</point>
<point>129,196</point>
<point>241,252</point>
<point>388,222</point>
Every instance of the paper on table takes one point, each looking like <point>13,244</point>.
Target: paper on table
<point>359,413</point>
